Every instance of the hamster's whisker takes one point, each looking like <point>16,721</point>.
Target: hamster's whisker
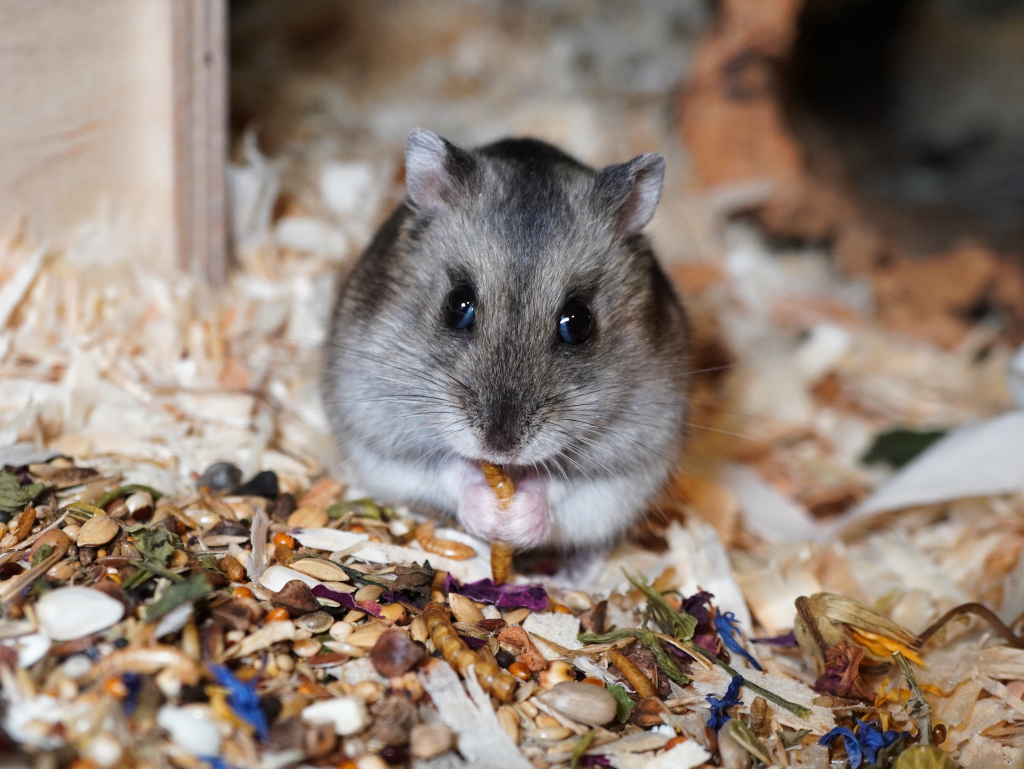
<point>607,429</point>
<point>397,348</point>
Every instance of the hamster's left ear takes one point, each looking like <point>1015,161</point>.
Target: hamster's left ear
<point>435,170</point>
<point>632,191</point>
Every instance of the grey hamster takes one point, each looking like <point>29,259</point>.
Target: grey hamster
<point>510,310</point>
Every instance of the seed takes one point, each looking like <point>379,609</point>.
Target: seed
<point>516,616</point>
<point>590,705</point>
<point>62,571</point>
<point>429,740</point>
<point>464,609</point>
<point>230,566</point>
<point>556,673</point>
<point>241,592</point>
<point>395,654</point>
<point>542,721</point>
<point>370,691</point>
<point>592,681</point>
<point>179,559</point>
<point>394,754</point>
<point>283,539</point>
<point>315,622</point>
<point>139,504</point>
<point>296,597</point>
<point>367,636</point>
<point>938,734</point>
<point>115,687</point>
<point>393,613</point>
<point>98,530</point>
<point>308,517</point>
<point>341,630</point>
<point>578,601</point>
<point>549,733</point>
<point>72,531</point>
<point>418,630</point>
<point>56,539</point>
<point>509,720</point>
<point>673,742</point>
<point>277,615</point>
<point>520,670</point>
<point>319,568</point>
<point>503,658</point>
<point>560,609</point>
<point>72,612</point>
<point>368,593</point>
<point>319,739</point>
<point>306,648</point>
<point>647,712</point>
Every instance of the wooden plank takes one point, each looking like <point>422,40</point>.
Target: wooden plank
<point>200,136</point>
<point>86,132</point>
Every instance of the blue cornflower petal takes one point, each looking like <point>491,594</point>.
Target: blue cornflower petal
<point>853,748</point>
<point>719,706</point>
<point>872,740</point>
<point>726,625</point>
<point>243,700</point>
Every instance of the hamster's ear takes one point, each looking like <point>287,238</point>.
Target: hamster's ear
<point>632,191</point>
<point>435,170</point>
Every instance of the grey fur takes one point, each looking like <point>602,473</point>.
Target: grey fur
<point>528,227</point>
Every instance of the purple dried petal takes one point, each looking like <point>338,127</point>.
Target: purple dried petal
<point>786,639</point>
<point>595,761</point>
<point>533,597</point>
<point>708,642</point>
<point>346,600</point>
<point>473,643</point>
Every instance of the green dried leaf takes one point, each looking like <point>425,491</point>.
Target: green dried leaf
<point>195,587</point>
<point>917,707</point>
<point>362,508</point>
<point>790,738</point>
<point>679,624</point>
<point>581,748</point>
<point>13,496</point>
<point>360,579</point>
<point>155,544</point>
<point>649,640</point>
<point>42,554</point>
<point>123,491</point>
<point>897,447</point>
<point>745,736</point>
<point>624,703</point>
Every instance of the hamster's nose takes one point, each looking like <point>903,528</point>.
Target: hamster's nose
<point>504,427</point>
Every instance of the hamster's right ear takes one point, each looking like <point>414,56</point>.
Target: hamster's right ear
<point>435,170</point>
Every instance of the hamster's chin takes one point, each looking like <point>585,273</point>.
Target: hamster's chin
<point>525,524</point>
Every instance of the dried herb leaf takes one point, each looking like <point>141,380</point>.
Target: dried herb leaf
<point>623,701</point>
<point>13,496</point>
<point>649,640</point>
<point>193,588</point>
<point>581,748</point>
<point>42,554</point>
<point>678,623</point>
<point>156,545</point>
<point>897,447</point>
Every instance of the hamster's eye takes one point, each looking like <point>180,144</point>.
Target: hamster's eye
<point>460,308</point>
<point>575,323</point>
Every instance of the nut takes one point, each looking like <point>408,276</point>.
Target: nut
<point>395,654</point>
<point>558,672</point>
<point>647,712</point>
<point>98,530</point>
<point>393,613</point>
<point>308,517</point>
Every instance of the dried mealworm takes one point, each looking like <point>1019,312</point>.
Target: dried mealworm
<point>449,548</point>
<point>492,678</point>
<point>634,675</point>
<point>500,484</point>
<point>501,560</point>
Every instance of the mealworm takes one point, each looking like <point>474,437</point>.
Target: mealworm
<point>456,653</point>
<point>500,484</point>
<point>634,675</point>
<point>501,560</point>
<point>449,548</point>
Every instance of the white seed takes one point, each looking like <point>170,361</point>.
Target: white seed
<point>585,703</point>
<point>368,593</point>
<point>315,622</point>
<point>578,601</point>
<point>276,577</point>
<point>98,530</point>
<point>516,616</point>
<point>557,672</point>
<point>73,612</point>
<point>549,733</point>
<point>341,630</point>
<point>331,540</point>
<point>464,609</point>
<point>72,531</point>
<point>192,728</point>
<point>306,648</point>
<point>318,568</point>
<point>509,720</point>
<point>429,740</point>
<point>348,714</point>
<point>367,636</point>
<point>138,501</point>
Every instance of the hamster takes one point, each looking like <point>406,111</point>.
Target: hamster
<point>511,311</point>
